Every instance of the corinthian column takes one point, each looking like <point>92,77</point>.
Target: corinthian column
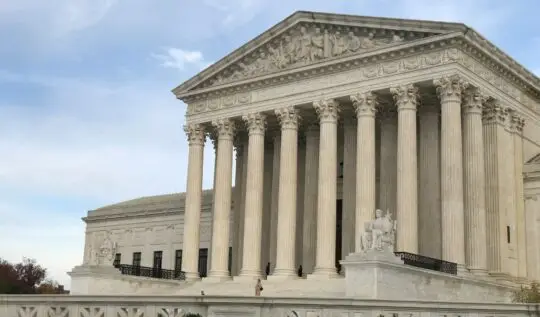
<point>286,227</point>
<point>406,98</point>
<point>276,139</point>
<point>310,198</point>
<point>429,177</point>
<point>325,265</point>
<point>350,135</point>
<point>495,140</point>
<point>474,190</point>
<point>251,263</point>
<point>453,222</point>
<point>517,124</point>
<point>237,203</point>
<point>222,200</point>
<point>192,213</point>
<point>365,107</point>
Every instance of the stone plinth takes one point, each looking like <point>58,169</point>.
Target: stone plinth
<point>381,275</point>
<point>107,280</point>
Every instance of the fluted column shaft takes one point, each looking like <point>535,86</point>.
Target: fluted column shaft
<point>237,217</point>
<point>327,111</point>
<point>494,119</point>
<point>517,124</point>
<point>275,201</point>
<point>222,200</point>
<point>286,229</point>
<point>474,184</point>
<point>350,135</point>
<point>364,104</point>
<point>388,160</point>
<point>429,177</point>
<point>212,134</point>
<point>310,198</point>
<point>193,203</point>
<point>251,260</point>
<point>453,218</point>
<point>406,98</point>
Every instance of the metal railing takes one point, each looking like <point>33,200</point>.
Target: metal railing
<point>428,263</point>
<point>152,272</point>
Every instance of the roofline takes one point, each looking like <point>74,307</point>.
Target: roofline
<point>309,16</point>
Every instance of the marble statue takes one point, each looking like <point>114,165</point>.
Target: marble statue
<point>379,233</point>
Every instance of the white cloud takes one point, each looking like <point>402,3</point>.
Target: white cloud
<point>236,12</point>
<point>178,58</point>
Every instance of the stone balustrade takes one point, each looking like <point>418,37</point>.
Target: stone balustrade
<point>174,306</point>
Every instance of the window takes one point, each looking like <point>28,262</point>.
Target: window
<point>177,263</point>
<point>158,259</point>
<point>117,259</point>
<point>340,174</point>
<point>178,260</point>
<point>203,262</point>
<point>508,234</point>
<point>136,259</point>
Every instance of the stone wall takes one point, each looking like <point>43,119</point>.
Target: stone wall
<point>173,306</point>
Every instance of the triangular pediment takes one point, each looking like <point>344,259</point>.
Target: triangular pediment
<point>307,38</point>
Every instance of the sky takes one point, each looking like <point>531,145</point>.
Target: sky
<point>86,113</point>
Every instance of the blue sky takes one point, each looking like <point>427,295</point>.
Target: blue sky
<point>86,113</point>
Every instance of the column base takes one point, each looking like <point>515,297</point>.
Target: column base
<point>323,274</point>
<point>192,276</point>
<point>217,276</point>
<point>462,270</point>
<point>282,274</point>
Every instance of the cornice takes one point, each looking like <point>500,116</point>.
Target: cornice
<point>139,214</point>
<point>455,40</point>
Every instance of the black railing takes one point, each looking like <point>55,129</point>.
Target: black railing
<point>153,272</point>
<point>428,263</point>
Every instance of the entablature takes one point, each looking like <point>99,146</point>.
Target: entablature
<point>272,59</point>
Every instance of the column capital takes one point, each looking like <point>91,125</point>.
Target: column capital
<point>255,122</point>
<point>517,122</point>
<point>405,96</point>
<point>327,110</point>
<point>473,100</point>
<point>365,104</point>
<point>288,117</point>
<point>450,87</point>
<point>494,113</point>
<point>195,134</point>
<point>225,128</point>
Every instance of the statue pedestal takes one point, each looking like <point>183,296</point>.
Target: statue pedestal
<point>382,275</point>
<point>84,276</point>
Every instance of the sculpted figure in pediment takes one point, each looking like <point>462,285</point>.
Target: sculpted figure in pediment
<point>303,45</point>
<point>353,44</point>
<point>317,47</point>
<point>339,44</point>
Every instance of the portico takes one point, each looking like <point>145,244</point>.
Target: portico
<point>326,128</point>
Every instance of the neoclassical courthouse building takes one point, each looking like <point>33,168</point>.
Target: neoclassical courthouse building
<point>324,118</point>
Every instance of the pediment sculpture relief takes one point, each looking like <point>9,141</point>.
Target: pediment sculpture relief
<point>304,45</point>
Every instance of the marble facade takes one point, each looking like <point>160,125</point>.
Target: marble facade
<point>324,118</point>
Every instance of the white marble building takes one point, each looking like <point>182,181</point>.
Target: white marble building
<point>329,117</point>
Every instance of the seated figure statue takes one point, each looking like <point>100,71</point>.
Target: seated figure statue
<point>379,234</point>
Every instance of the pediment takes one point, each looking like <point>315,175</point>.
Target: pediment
<point>307,38</point>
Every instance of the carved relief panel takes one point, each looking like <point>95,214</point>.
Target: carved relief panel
<point>308,43</point>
